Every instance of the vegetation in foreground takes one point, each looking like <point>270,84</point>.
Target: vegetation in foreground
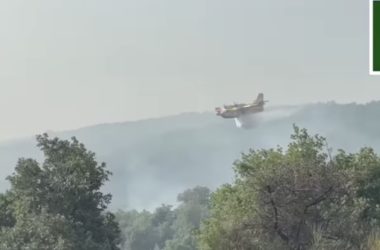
<point>167,227</point>
<point>57,205</point>
<point>302,197</point>
<point>299,198</point>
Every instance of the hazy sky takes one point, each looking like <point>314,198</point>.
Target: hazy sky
<point>71,63</point>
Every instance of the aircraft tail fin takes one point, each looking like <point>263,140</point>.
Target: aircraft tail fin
<point>259,99</point>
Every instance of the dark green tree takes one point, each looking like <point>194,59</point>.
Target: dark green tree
<point>6,211</point>
<point>296,198</point>
<point>58,204</point>
<point>166,228</point>
<point>193,209</point>
<point>138,230</point>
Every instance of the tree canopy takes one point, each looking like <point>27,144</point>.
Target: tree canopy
<point>58,204</point>
<point>166,228</point>
<point>298,198</point>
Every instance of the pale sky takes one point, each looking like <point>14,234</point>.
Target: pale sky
<point>70,63</point>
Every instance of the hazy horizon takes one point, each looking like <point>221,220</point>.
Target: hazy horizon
<point>67,64</point>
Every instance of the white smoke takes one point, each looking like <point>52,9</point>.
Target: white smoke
<point>273,113</point>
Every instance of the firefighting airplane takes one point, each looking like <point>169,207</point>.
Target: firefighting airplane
<point>242,112</point>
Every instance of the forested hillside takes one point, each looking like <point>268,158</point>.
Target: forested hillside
<point>153,160</point>
<point>300,197</point>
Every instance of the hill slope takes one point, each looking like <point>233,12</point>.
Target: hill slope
<point>153,160</point>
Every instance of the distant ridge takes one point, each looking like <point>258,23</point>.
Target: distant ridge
<point>154,159</point>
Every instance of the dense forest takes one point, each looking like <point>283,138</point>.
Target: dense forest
<point>302,196</point>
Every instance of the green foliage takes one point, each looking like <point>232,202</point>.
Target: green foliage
<point>166,228</point>
<point>301,198</point>
<point>189,215</point>
<point>39,231</point>
<point>6,211</point>
<point>138,231</point>
<point>58,205</point>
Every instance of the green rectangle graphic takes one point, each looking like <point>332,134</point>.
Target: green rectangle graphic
<point>376,36</point>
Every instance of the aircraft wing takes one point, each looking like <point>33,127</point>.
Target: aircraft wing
<point>233,109</point>
<point>246,107</point>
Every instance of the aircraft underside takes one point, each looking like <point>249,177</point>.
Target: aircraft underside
<point>239,113</point>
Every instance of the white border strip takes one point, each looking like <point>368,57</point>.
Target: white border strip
<point>371,72</point>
